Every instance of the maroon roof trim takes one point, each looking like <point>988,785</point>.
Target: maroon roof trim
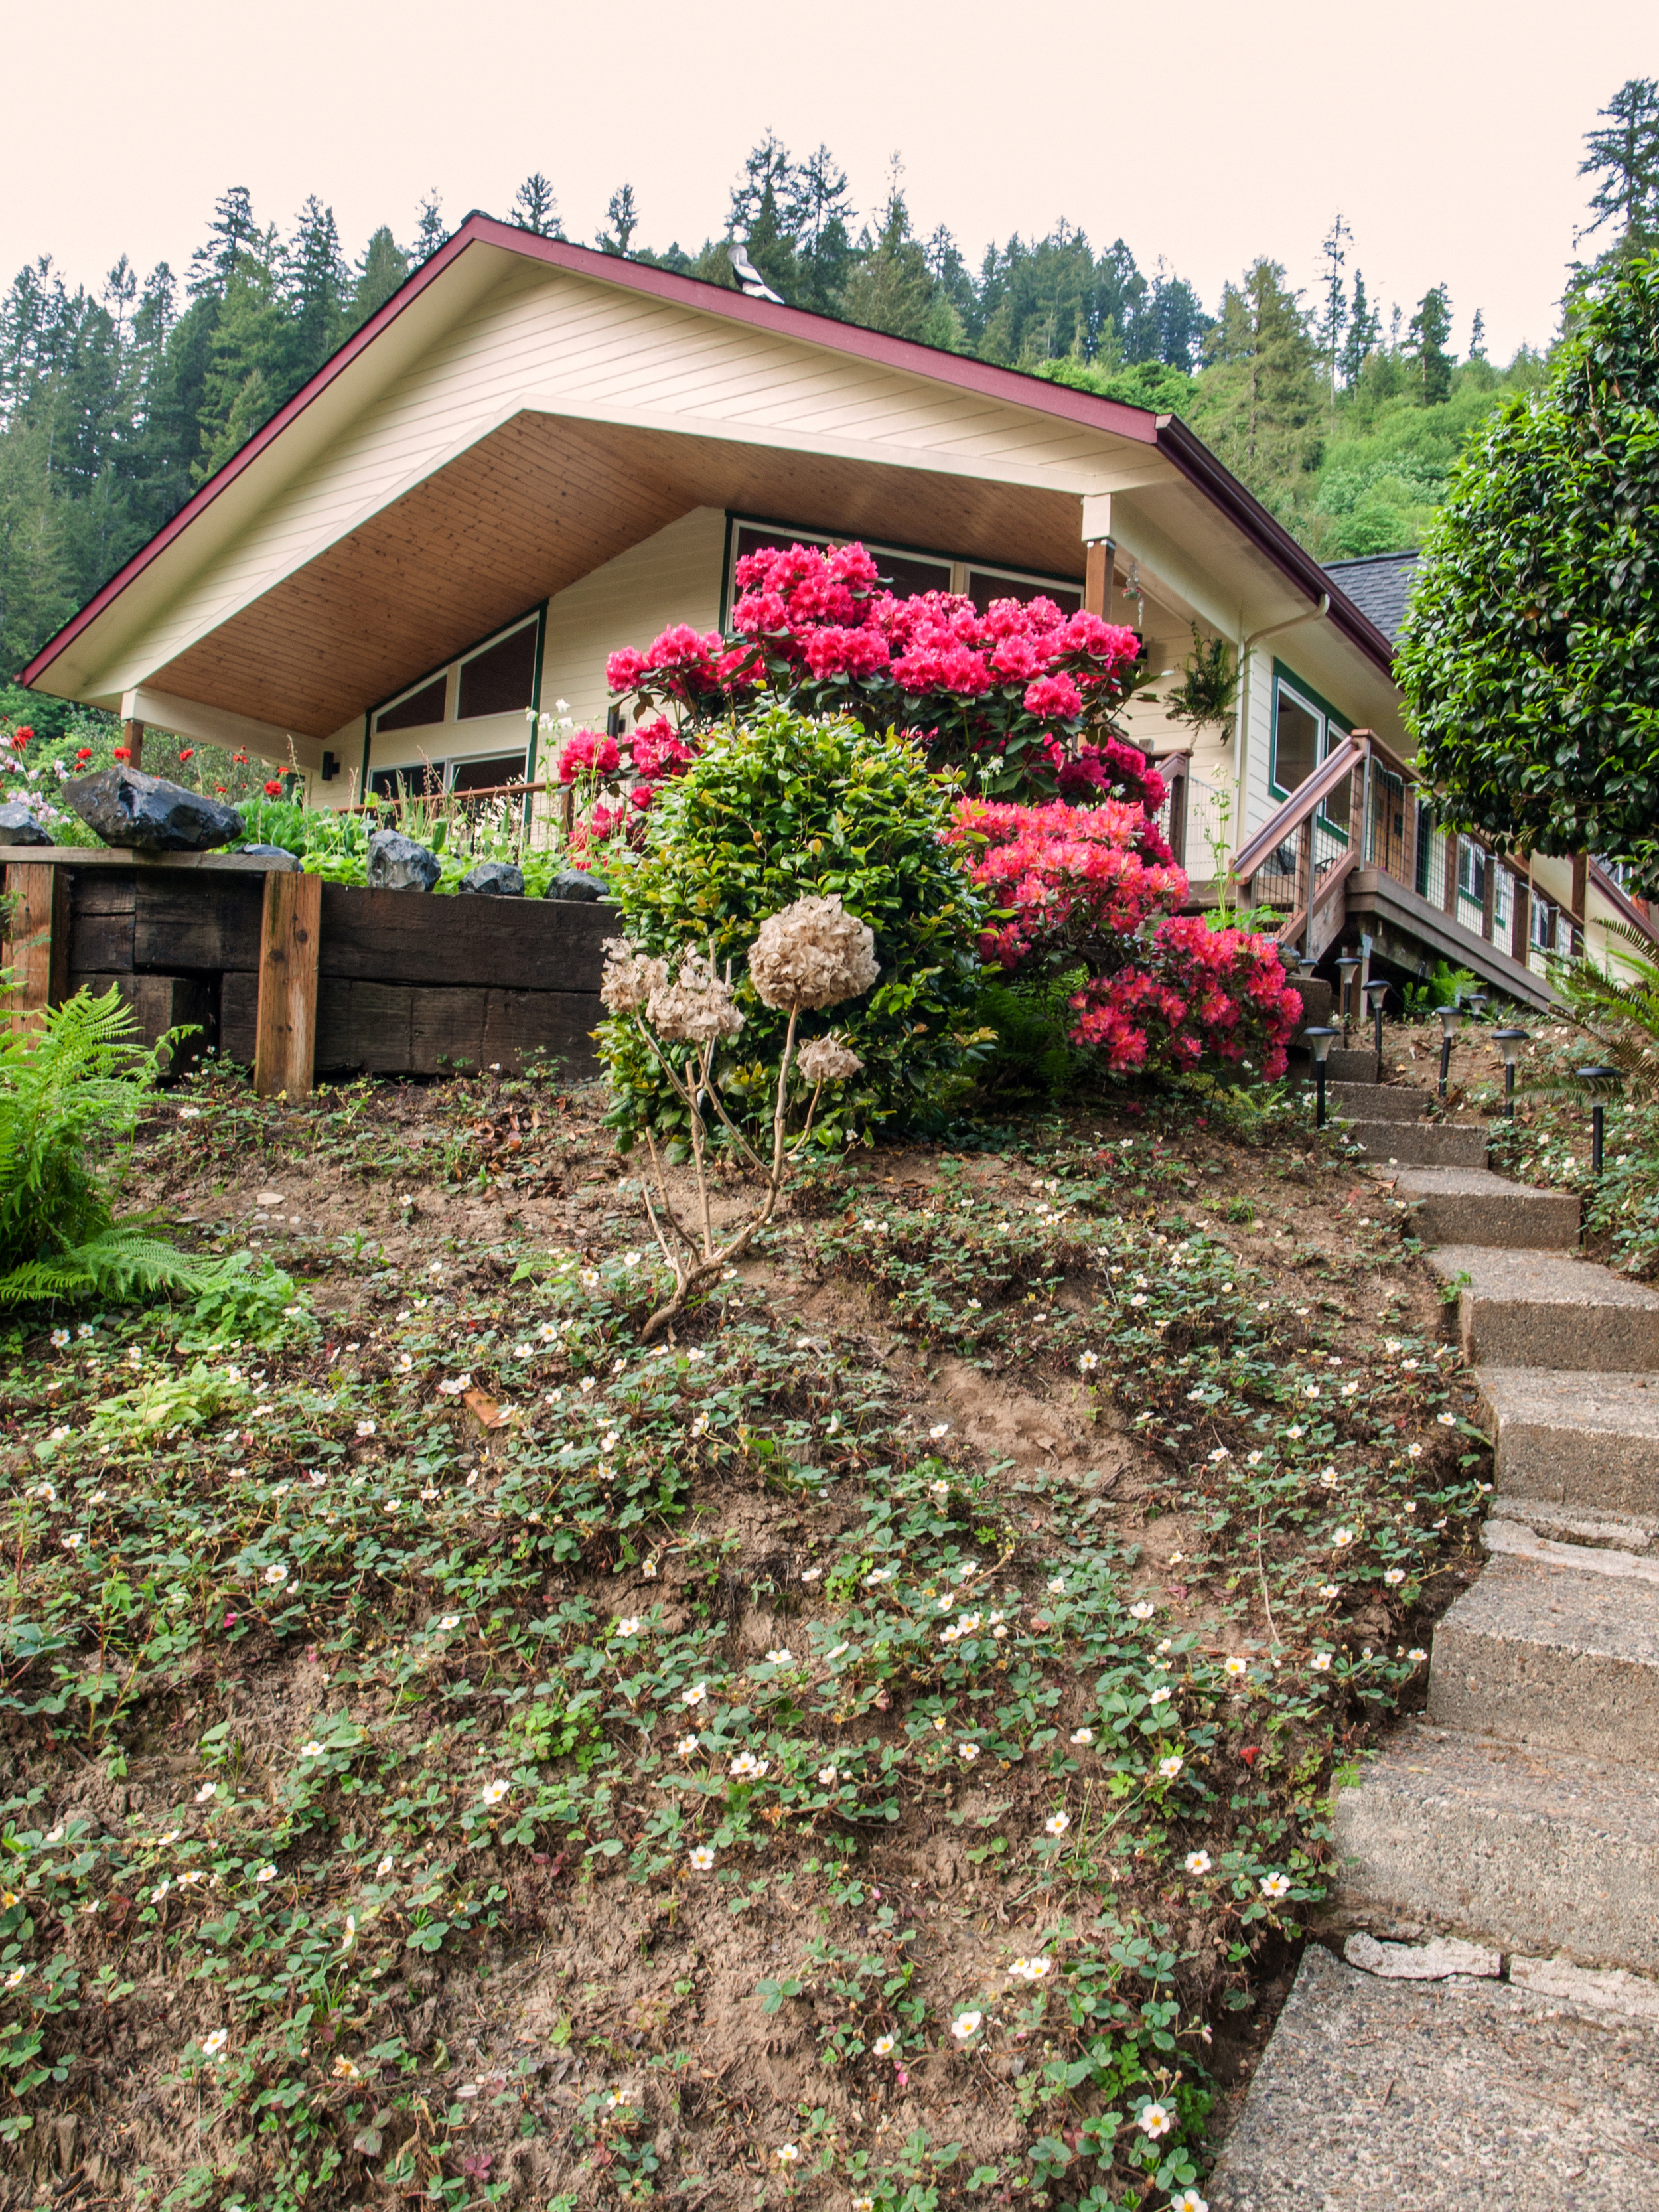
<point>1010,386</point>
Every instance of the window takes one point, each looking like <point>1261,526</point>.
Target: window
<point>418,711</point>
<point>425,780</point>
<point>906,574</point>
<point>985,585</point>
<point>488,775</point>
<point>500,679</point>
<point>1304,732</point>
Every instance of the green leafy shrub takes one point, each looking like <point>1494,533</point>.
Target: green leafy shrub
<point>70,1093</point>
<point>252,1301</point>
<point>772,811</point>
<point>1530,654</point>
<point>1031,1019</point>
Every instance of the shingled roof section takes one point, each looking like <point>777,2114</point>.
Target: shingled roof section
<point>1378,586</point>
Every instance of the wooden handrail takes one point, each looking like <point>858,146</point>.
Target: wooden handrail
<point>1301,802</point>
<point>1616,895</point>
<point>428,797</point>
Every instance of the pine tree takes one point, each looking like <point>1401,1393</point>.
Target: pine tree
<point>429,231</point>
<point>1477,337</point>
<point>231,235</point>
<point>1334,312</point>
<point>381,271</point>
<point>316,288</point>
<point>1431,327</point>
<point>623,214</point>
<point>1626,158</point>
<point>535,208</point>
<point>818,214</point>
<point>248,361</point>
<point>757,215</point>
<point>892,288</point>
<point>1364,328</point>
<point>1259,403</point>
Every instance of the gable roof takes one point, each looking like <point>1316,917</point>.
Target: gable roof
<point>1379,584</point>
<point>1163,434</point>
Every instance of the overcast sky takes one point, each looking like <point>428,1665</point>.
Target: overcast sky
<point>1448,135</point>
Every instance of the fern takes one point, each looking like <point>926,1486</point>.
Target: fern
<point>1620,1011</point>
<point>72,1085</point>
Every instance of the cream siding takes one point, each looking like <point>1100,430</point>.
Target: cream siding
<point>672,577</point>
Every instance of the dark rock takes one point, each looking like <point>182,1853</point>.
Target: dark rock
<point>283,863</point>
<point>496,879</point>
<point>573,883</point>
<point>396,863</point>
<point>19,827</point>
<point>143,813</point>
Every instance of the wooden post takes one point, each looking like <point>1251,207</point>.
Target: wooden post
<point>1178,767</point>
<point>1520,925</point>
<point>36,949</point>
<point>1304,881</point>
<point>1449,901</point>
<point>1581,885</point>
<point>1097,577</point>
<point>132,737</point>
<point>1489,897</point>
<point>286,1032</point>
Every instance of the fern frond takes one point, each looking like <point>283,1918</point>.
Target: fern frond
<point>126,1261</point>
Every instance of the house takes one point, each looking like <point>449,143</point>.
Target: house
<point>534,453</point>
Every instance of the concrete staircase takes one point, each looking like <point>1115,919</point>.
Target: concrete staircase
<point>1519,1818</point>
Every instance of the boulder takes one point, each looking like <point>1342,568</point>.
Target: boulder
<point>145,813</point>
<point>573,883</point>
<point>282,862</point>
<point>494,879</point>
<point>19,827</point>
<point>396,863</point>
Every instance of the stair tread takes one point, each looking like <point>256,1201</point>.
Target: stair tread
<point>1572,1398</point>
<point>1506,1535</point>
<point>1471,1182</point>
<point>1375,2094</point>
<point>1522,1276</point>
<point>1582,1524</point>
<point>1564,1607</point>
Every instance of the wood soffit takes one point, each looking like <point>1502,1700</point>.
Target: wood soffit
<point>529,511</point>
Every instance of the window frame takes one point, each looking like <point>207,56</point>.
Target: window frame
<point>1333,727</point>
<point>958,565</point>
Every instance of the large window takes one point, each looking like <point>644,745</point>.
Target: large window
<point>417,710</point>
<point>907,573</point>
<point>1305,730</point>
<point>500,679</point>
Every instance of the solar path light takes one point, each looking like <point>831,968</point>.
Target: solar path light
<point>1345,966</point>
<point>1375,994</point>
<point>1318,1042</point>
<point>1508,1042</point>
<point>1451,1020</point>
<point>1598,1111</point>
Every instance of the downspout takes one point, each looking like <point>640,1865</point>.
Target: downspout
<point>1246,645</point>
<point>368,739</point>
<point>535,718</point>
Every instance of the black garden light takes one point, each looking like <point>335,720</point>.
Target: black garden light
<point>1451,1020</point>
<point>1346,963</point>
<point>1598,1111</point>
<point>1473,1004</point>
<point>1376,994</point>
<point>1319,1042</point>
<point>1508,1042</point>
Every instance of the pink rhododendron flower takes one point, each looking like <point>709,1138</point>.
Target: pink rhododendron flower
<point>589,752</point>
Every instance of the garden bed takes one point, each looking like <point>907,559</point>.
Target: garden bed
<point>404,984</point>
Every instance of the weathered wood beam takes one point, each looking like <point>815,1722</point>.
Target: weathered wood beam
<point>285,1041</point>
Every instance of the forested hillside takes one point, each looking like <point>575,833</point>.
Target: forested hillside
<point>117,402</point>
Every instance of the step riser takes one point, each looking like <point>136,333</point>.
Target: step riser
<point>1499,1873</point>
<point>1507,1221</point>
<point>1421,1144</point>
<point>1536,1332</point>
<point>1378,1101</point>
<point>1530,1692</point>
<point>1562,1466</point>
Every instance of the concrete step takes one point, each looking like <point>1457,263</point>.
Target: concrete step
<point>1422,1144</point>
<point>1352,1063</point>
<point>1536,1850</point>
<point>1379,2095</point>
<point>1379,1101</point>
<point>1609,1544</point>
<point>1586,1525</point>
<point>1555,1655</point>
<point>1572,1439</point>
<point>1469,1205</point>
<point>1531,1308</point>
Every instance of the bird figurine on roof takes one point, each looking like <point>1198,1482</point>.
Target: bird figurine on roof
<point>751,283</point>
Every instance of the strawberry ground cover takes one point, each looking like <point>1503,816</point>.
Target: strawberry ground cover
<point>874,1749</point>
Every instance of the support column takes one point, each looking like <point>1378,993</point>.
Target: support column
<point>37,937</point>
<point>1521,929</point>
<point>132,737</point>
<point>285,1035</point>
<point>1099,556</point>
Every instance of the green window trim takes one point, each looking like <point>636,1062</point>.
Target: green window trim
<point>1334,727</point>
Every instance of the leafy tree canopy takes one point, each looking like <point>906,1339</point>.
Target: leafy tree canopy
<point>1530,658</point>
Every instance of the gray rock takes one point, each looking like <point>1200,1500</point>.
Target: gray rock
<point>574,883</point>
<point>494,879</point>
<point>396,863</point>
<point>19,827</point>
<point>282,862</point>
<point>145,813</point>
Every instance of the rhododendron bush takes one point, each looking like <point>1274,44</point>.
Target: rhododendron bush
<point>1077,890</point>
<point>1021,695</point>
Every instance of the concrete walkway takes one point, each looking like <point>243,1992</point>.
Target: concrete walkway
<point>1517,2063</point>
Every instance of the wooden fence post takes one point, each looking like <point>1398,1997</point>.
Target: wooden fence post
<point>37,939</point>
<point>285,1037</point>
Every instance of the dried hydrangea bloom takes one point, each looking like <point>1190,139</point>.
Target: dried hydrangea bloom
<point>629,977</point>
<point>813,954</point>
<point>696,1006</point>
<point>827,1059</point>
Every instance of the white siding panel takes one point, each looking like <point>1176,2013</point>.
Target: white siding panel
<point>672,577</point>
<point>548,342</point>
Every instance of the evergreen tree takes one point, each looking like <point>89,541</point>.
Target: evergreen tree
<point>1259,403</point>
<point>1431,327</point>
<point>232,233</point>
<point>429,231</point>
<point>892,288</point>
<point>535,208</point>
<point>760,215</point>
<point>317,288</point>
<point>1626,158</point>
<point>249,353</point>
<point>120,290</point>
<point>382,269</point>
<point>1364,328</point>
<point>623,214</point>
<point>1477,337</point>
<point>1333,314</point>
<point>1175,319</point>
<point>818,214</point>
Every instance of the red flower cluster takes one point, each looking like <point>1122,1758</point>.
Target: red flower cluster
<point>274,788</point>
<point>85,753</point>
<point>655,752</point>
<point>189,753</point>
<point>1011,689</point>
<point>1078,889</point>
<point>124,752</point>
<point>21,736</point>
